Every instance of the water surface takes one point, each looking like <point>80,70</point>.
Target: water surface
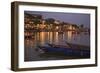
<point>42,38</point>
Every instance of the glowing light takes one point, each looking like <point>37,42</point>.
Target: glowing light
<point>69,35</point>
<point>70,27</point>
<point>57,27</point>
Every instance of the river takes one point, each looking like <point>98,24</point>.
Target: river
<point>42,38</point>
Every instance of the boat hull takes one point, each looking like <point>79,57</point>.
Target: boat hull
<point>67,51</point>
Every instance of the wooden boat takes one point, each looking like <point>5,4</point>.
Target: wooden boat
<point>66,51</point>
<point>72,46</point>
<point>77,46</point>
<point>59,46</point>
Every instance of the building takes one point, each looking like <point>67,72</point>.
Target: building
<point>36,22</point>
<point>31,21</point>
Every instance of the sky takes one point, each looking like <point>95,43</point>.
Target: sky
<point>74,18</point>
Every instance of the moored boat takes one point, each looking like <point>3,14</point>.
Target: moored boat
<point>77,46</point>
<point>59,46</point>
<point>66,51</point>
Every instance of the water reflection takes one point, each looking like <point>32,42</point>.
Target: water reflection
<point>69,34</point>
<point>42,38</point>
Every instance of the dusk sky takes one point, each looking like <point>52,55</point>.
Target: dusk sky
<point>74,18</point>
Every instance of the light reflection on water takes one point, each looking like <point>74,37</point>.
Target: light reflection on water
<point>42,38</point>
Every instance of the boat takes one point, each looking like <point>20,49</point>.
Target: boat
<point>77,46</point>
<point>59,46</point>
<point>71,46</point>
<point>66,51</point>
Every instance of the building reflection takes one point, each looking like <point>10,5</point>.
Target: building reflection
<point>69,35</point>
<point>42,38</point>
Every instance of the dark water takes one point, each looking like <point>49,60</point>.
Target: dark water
<point>42,38</point>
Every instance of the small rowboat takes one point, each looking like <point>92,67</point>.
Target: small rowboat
<point>66,51</point>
